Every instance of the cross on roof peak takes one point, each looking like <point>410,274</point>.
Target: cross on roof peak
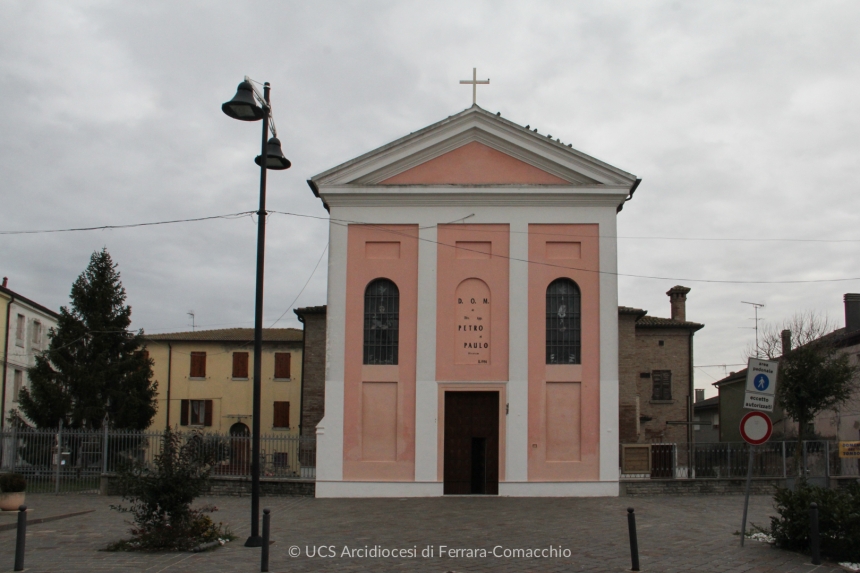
<point>474,82</point>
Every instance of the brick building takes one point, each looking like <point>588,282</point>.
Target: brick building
<point>313,319</point>
<point>655,372</point>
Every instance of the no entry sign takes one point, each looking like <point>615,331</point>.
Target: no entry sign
<point>756,428</point>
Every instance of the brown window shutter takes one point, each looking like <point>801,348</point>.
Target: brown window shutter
<point>183,413</point>
<point>282,415</point>
<point>240,365</point>
<point>198,365</point>
<point>662,383</point>
<point>282,364</point>
<point>208,414</point>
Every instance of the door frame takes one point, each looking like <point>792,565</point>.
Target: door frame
<point>501,388</point>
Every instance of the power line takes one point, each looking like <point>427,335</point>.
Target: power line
<point>251,213</point>
<point>636,237</point>
<point>303,288</point>
<point>131,225</point>
<point>345,223</point>
<point>289,307</point>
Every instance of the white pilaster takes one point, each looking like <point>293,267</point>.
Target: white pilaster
<point>426,394</point>
<point>608,347</point>
<point>516,456</point>
<point>330,428</point>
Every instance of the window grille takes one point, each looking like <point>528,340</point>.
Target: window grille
<point>563,330</point>
<point>381,321</point>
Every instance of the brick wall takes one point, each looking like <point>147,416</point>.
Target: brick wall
<point>647,344</point>
<point>628,376</point>
<point>673,355</point>
<point>234,486</point>
<point>759,486</point>
<point>313,374</point>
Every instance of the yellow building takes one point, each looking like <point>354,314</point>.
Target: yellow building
<point>205,380</point>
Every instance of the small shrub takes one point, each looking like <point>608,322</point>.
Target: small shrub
<point>160,498</point>
<point>838,520</point>
<point>11,483</point>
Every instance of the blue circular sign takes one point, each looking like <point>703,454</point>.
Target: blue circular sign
<point>761,382</point>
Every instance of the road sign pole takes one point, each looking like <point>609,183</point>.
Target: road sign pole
<point>747,495</point>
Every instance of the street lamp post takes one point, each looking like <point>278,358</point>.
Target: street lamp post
<point>244,107</point>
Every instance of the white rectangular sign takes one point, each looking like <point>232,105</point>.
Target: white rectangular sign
<point>762,402</point>
<point>761,384</point>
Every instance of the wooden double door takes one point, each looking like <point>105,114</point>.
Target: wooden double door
<point>471,443</point>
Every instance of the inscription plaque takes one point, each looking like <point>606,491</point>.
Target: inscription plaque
<point>472,308</point>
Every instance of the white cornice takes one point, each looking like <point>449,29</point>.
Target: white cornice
<point>489,198</point>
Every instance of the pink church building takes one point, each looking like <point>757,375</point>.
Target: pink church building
<point>472,324</point>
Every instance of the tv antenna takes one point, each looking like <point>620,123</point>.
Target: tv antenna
<point>193,324</point>
<point>756,306</point>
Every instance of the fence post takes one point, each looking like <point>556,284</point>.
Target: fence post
<point>264,554</point>
<point>784,472</point>
<point>814,541</point>
<point>105,451</point>
<point>729,457</point>
<point>747,494</point>
<point>59,457</point>
<point>21,539</point>
<point>634,543</point>
<point>804,444</point>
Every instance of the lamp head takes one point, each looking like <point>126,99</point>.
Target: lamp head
<point>243,106</point>
<point>274,156</point>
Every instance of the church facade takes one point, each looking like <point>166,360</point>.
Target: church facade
<point>472,316</point>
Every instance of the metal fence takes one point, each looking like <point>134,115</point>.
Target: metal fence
<point>818,461</point>
<point>72,461</point>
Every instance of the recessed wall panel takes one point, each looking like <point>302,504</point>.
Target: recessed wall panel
<point>563,433</point>
<point>379,421</point>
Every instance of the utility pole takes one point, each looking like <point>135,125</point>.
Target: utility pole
<point>756,306</point>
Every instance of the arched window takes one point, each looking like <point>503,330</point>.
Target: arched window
<point>563,323</point>
<point>381,320</point>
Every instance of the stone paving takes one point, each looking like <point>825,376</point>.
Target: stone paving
<point>676,534</point>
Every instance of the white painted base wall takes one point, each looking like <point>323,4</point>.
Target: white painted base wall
<point>559,489</point>
<point>377,489</point>
<point>435,489</point>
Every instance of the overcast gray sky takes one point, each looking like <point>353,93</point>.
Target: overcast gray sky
<point>740,117</point>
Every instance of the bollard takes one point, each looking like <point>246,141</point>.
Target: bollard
<point>264,555</point>
<point>634,543</point>
<point>814,541</point>
<point>21,539</point>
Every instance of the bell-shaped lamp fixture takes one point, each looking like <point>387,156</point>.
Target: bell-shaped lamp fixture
<point>243,106</point>
<point>274,156</point>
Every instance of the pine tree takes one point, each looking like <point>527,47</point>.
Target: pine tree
<point>93,365</point>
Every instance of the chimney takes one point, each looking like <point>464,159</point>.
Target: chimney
<point>5,281</point>
<point>700,395</point>
<point>852,312</point>
<point>678,300</point>
<point>786,341</point>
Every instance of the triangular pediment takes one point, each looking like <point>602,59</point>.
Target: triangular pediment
<point>475,147</point>
<point>474,164</point>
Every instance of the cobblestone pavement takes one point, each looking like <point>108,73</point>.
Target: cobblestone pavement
<point>676,534</point>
